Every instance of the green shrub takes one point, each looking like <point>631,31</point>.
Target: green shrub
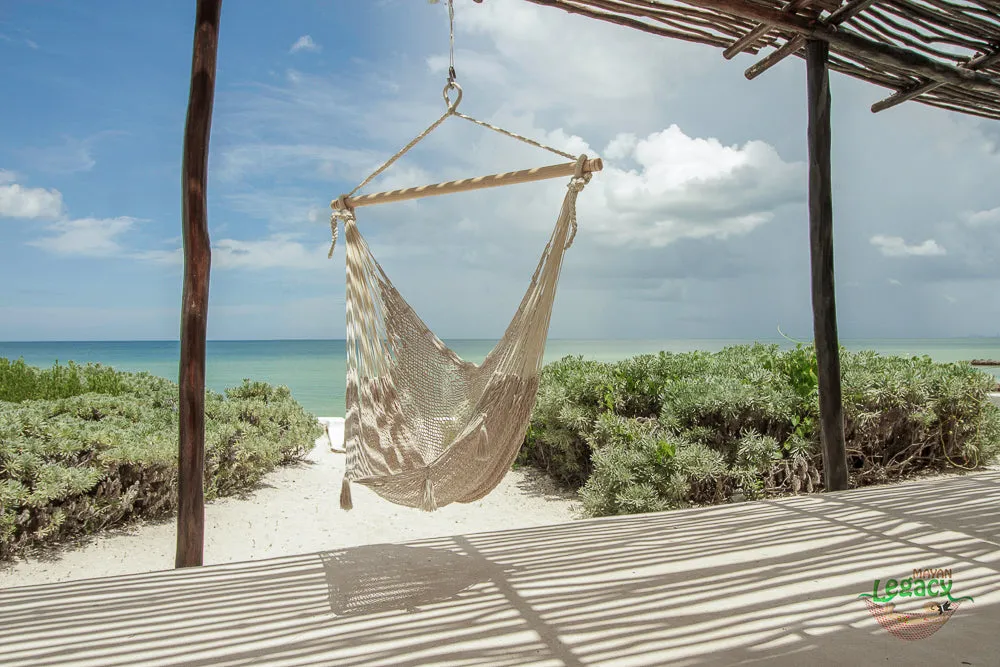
<point>87,447</point>
<point>743,423</point>
<point>571,394</point>
<point>21,382</point>
<point>634,468</point>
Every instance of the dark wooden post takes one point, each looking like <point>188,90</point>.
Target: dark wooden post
<point>831,409</point>
<point>194,303</point>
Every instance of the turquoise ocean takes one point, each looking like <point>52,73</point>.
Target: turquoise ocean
<point>314,370</point>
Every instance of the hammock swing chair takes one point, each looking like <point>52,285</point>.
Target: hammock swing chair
<point>425,428</point>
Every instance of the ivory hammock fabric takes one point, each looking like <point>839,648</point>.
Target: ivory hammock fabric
<point>425,428</point>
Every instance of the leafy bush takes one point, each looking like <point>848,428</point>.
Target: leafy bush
<point>87,447</point>
<point>21,382</point>
<point>660,431</point>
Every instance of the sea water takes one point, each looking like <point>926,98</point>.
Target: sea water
<point>314,370</point>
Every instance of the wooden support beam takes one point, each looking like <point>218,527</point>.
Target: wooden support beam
<point>467,184</point>
<point>846,12</point>
<point>831,410</point>
<point>900,96</point>
<point>194,301</point>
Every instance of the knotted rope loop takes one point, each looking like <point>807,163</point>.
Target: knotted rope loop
<point>452,106</point>
<point>580,177</point>
<point>345,206</point>
<point>575,186</point>
<point>343,211</point>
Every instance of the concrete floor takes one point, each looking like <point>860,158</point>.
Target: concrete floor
<point>772,582</point>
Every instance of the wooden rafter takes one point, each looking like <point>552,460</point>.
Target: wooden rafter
<point>847,11</point>
<point>932,51</point>
<point>740,45</point>
<point>900,96</point>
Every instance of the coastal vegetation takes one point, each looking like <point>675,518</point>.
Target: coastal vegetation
<point>656,432</point>
<point>86,447</point>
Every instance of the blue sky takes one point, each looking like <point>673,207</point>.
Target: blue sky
<point>697,228</point>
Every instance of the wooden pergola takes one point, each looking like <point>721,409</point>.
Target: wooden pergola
<point>944,53</point>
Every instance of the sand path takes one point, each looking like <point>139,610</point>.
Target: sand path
<point>296,510</point>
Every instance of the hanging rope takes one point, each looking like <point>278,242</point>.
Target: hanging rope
<point>343,213</point>
<point>452,77</point>
<point>452,110</point>
<point>512,135</point>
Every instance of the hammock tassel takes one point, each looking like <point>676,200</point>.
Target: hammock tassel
<point>333,235</point>
<point>345,495</point>
<point>429,504</point>
<point>483,446</point>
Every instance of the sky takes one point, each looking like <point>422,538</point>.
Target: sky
<point>696,228</point>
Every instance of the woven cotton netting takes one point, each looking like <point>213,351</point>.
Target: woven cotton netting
<point>425,428</point>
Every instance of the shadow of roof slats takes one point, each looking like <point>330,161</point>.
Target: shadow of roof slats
<point>773,582</point>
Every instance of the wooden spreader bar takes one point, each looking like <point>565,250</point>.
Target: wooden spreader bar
<point>466,184</point>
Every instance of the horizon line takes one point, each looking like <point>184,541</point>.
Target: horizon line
<point>551,339</point>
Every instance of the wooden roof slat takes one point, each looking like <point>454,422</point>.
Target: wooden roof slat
<point>920,49</point>
<point>730,25</point>
<point>901,96</point>
<point>953,14</point>
<point>884,27</point>
<point>957,26</point>
<point>761,30</point>
<point>635,24</point>
<point>972,111</point>
<point>935,36</point>
<point>847,11</point>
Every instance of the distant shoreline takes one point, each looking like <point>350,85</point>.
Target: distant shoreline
<point>315,369</point>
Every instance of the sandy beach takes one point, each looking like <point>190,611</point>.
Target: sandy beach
<point>296,510</point>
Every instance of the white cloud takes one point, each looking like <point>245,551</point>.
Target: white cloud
<point>305,43</point>
<point>987,217</point>
<point>689,187</point>
<point>621,147</point>
<point>17,201</point>
<point>323,161</point>
<point>277,251</point>
<point>87,237</point>
<point>895,246</point>
<point>893,281</point>
<point>283,209</point>
<point>587,66</point>
<point>710,190</point>
<point>73,155</point>
<point>655,190</point>
<point>30,43</point>
<point>169,257</point>
<point>101,237</point>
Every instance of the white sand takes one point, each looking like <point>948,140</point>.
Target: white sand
<point>295,511</point>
